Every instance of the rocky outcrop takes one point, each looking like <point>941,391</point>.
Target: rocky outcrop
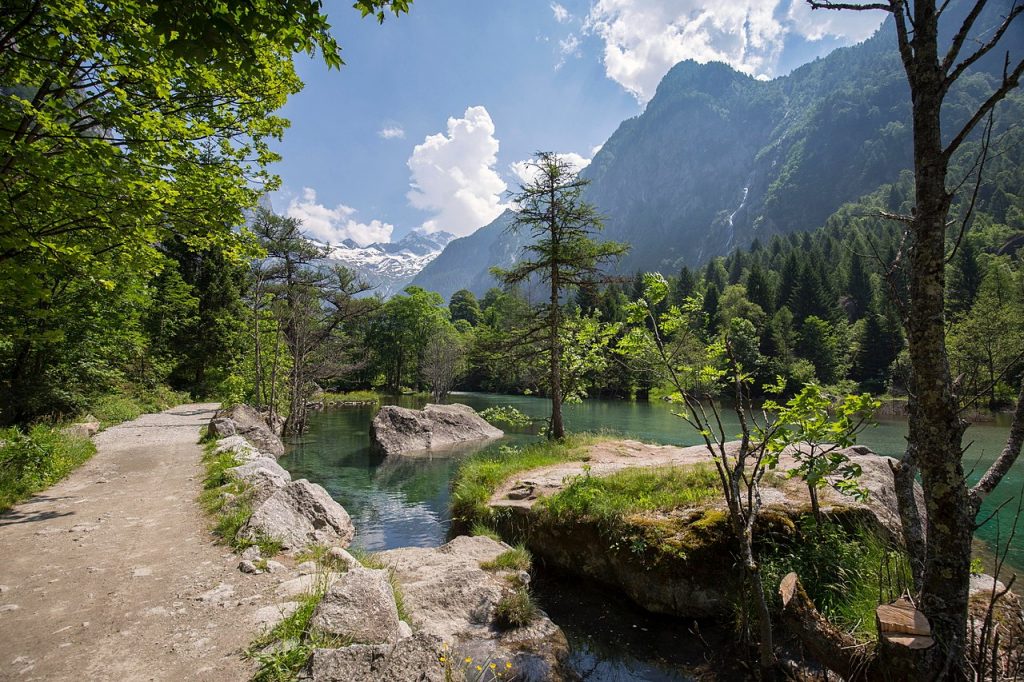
<point>360,606</point>
<point>398,430</point>
<point>448,595</point>
<point>246,421</point>
<point>300,514</point>
<point>86,429</point>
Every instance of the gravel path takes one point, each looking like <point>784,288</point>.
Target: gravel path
<point>112,574</point>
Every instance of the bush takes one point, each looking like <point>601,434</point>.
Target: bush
<point>33,461</point>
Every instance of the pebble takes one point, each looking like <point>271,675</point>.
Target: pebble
<point>248,567</point>
<point>9,607</point>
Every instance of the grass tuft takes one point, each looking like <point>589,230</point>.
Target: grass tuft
<point>516,559</point>
<point>480,529</point>
<point>516,609</point>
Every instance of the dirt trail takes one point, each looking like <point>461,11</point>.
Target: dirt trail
<point>112,574</point>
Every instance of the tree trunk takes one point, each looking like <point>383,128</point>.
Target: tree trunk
<point>936,429</point>
<point>557,430</point>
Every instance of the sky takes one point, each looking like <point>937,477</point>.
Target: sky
<point>435,115</point>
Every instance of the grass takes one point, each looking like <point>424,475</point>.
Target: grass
<point>131,402</point>
<point>840,569</point>
<point>481,474</point>
<point>284,651</point>
<point>351,397</point>
<point>481,529</point>
<point>34,460</point>
<point>516,559</point>
<point>610,499</point>
<point>515,609</point>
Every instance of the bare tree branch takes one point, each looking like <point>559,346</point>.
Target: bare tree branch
<point>1011,79</point>
<point>1006,458</point>
<point>954,49</point>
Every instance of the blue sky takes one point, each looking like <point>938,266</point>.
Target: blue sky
<point>427,124</point>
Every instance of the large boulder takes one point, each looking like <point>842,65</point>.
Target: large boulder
<point>247,422</point>
<point>450,596</point>
<point>360,606</point>
<point>298,515</point>
<point>263,475</point>
<point>397,430</point>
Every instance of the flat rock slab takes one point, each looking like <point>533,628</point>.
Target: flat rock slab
<point>399,430</point>
<point>118,597</point>
<point>298,515</point>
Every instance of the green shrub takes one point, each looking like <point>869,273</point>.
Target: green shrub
<point>33,461</point>
<point>515,609</point>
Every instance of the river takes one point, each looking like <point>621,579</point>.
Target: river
<point>399,502</point>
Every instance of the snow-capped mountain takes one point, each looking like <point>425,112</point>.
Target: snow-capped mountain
<point>390,267</point>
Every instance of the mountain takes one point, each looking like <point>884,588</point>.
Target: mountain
<point>390,267</point>
<point>719,159</point>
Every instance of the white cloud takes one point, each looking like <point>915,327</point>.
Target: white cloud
<point>453,175</point>
<point>526,170</point>
<point>561,14</point>
<point>392,132</point>
<point>569,47</point>
<point>334,225</point>
<point>644,38</point>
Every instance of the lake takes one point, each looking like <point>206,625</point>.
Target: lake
<point>400,502</point>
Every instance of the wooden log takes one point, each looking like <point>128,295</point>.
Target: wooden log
<point>902,617</point>
<point>826,644</point>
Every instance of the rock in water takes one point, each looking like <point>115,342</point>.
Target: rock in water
<point>249,423</point>
<point>359,606</point>
<point>397,430</point>
<point>298,515</point>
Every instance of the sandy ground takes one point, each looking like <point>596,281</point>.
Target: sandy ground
<point>113,574</point>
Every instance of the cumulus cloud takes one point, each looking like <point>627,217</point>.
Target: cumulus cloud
<point>643,39</point>
<point>334,225</point>
<point>392,133</point>
<point>561,14</point>
<point>453,176</point>
<point>526,170</point>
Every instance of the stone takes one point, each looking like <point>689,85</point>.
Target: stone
<point>404,630</point>
<point>263,475</point>
<point>306,567</point>
<point>298,515</point>
<point>248,567</point>
<point>412,659</point>
<point>218,595</point>
<point>275,566</point>
<point>398,430</point>
<point>304,584</point>
<point>360,606</point>
<point>250,424</point>
<point>251,553</point>
<point>981,586</point>
<point>82,429</point>
<point>236,445</point>
<point>222,427</point>
<point>342,557</point>
<point>269,616</point>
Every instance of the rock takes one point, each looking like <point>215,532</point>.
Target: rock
<point>263,475</point>
<point>304,584</point>
<point>238,446</point>
<point>361,606</point>
<point>981,586</point>
<point>341,557</point>
<point>269,616</point>
<point>298,515</point>
<point>218,595</point>
<point>404,630</point>
<point>248,567</point>
<point>252,426</point>
<point>222,427</point>
<point>82,429</point>
<point>396,430</point>
<point>306,567</point>
<point>413,659</point>
<point>449,596</point>
<point>251,553</point>
<point>275,566</point>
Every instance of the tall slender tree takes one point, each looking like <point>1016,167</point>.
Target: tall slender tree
<point>562,252</point>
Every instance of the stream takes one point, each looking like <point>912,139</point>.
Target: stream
<point>401,502</point>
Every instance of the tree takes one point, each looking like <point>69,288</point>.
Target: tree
<point>443,361</point>
<point>561,253</point>
<point>858,288</point>
<point>400,333</point>
<point>940,555</point>
<point>464,306</point>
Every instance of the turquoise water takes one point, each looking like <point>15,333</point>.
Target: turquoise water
<point>403,501</point>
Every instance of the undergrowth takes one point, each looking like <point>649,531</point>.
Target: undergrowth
<point>132,401</point>
<point>34,460</point>
<point>516,559</point>
<point>351,397</point>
